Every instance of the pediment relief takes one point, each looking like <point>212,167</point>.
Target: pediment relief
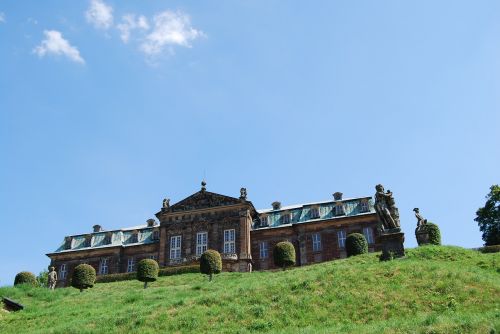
<point>203,200</point>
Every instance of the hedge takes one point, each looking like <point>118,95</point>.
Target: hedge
<point>355,244</point>
<point>147,271</point>
<point>284,254</point>
<point>490,249</point>
<point>210,263</point>
<point>83,277</point>
<point>434,233</point>
<point>25,277</point>
<point>168,271</point>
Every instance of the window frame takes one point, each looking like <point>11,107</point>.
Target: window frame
<point>286,218</point>
<point>316,242</point>
<point>201,247</point>
<point>341,236</point>
<point>130,265</point>
<point>263,250</point>
<point>63,271</point>
<point>363,206</point>
<point>339,210</point>
<point>175,247</point>
<point>229,246</point>
<point>314,209</point>
<point>264,220</point>
<point>368,233</point>
<point>103,266</point>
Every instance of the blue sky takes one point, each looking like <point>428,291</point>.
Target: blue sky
<point>294,101</point>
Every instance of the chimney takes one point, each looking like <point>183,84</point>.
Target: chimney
<point>337,196</point>
<point>276,205</point>
<point>97,228</point>
<point>151,222</point>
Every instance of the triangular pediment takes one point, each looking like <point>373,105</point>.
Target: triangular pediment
<point>203,200</point>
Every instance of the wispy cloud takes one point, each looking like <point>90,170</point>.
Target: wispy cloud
<point>170,29</point>
<point>55,44</point>
<point>99,14</point>
<point>2,17</point>
<point>130,23</point>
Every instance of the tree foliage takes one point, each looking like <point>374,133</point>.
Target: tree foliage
<point>434,233</point>
<point>210,263</point>
<point>83,277</point>
<point>43,278</point>
<point>284,254</point>
<point>355,244</point>
<point>147,271</point>
<point>488,217</point>
<point>25,277</point>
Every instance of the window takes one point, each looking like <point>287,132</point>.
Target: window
<point>314,213</point>
<point>130,264</point>
<point>286,218</point>
<point>156,235</point>
<point>152,257</point>
<point>103,267</point>
<point>316,238</point>
<point>339,210</point>
<point>229,236</point>
<point>134,238</point>
<point>341,236</point>
<point>87,242</point>
<point>63,271</point>
<point>368,232</point>
<point>175,247</point>
<point>363,206</point>
<point>263,221</point>
<point>263,250</point>
<point>107,240</point>
<point>201,242</point>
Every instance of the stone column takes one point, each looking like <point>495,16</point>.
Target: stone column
<point>245,255</point>
<point>162,250</point>
<point>302,241</point>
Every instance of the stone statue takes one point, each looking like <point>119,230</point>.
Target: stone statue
<point>166,203</point>
<point>243,194</point>
<point>386,209</point>
<point>421,221</point>
<point>52,278</point>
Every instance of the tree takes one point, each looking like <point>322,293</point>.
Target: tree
<point>488,217</point>
<point>25,277</point>
<point>355,244</point>
<point>83,277</point>
<point>434,233</point>
<point>43,278</point>
<point>210,263</point>
<point>147,271</point>
<point>284,254</point>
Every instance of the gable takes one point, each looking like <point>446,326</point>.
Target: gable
<point>203,200</point>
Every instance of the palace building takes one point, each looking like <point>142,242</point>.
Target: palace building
<point>244,236</point>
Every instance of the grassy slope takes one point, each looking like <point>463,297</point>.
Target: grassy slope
<point>433,290</point>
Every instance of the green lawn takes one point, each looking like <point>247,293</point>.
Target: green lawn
<point>433,290</point>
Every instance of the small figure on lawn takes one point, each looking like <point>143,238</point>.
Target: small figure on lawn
<point>52,278</point>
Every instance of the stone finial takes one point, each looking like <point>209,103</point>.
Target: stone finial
<point>203,185</point>
<point>151,222</point>
<point>166,203</point>
<point>243,194</point>
<point>97,228</point>
<point>276,205</point>
<point>337,196</point>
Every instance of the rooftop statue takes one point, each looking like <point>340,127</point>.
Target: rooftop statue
<point>421,221</point>
<point>166,203</point>
<point>386,209</point>
<point>243,194</point>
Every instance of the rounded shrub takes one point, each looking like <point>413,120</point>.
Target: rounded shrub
<point>25,277</point>
<point>147,271</point>
<point>284,254</point>
<point>355,244</point>
<point>83,277</point>
<point>210,263</point>
<point>434,233</point>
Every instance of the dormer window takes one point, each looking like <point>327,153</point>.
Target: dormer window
<point>156,235</point>
<point>67,243</point>
<point>314,213</point>
<point>134,238</point>
<point>263,221</point>
<point>363,206</point>
<point>339,210</point>
<point>107,239</point>
<point>88,241</point>
<point>286,218</point>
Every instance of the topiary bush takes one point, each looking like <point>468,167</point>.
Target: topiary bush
<point>434,233</point>
<point>284,254</point>
<point>355,244</point>
<point>210,263</point>
<point>83,277</point>
<point>25,277</point>
<point>147,271</point>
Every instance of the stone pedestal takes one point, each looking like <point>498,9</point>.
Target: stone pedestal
<point>422,236</point>
<point>392,245</point>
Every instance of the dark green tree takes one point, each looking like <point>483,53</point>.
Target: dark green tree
<point>434,233</point>
<point>43,278</point>
<point>147,271</point>
<point>25,277</point>
<point>355,244</point>
<point>210,263</point>
<point>488,217</point>
<point>83,277</point>
<point>284,254</point>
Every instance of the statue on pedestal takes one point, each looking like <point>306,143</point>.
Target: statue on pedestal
<point>166,204</point>
<point>421,221</point>
<point>386,209</point>
<point>243,194</point>
<point>52,278</point>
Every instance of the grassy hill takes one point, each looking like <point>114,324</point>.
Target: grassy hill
<point>433,290</point>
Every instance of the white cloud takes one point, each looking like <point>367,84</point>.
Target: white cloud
<point>55,44</point>
<point>2,17</point>
<point>130,23</point>
<point>99,14</point>
<point>170,28</point>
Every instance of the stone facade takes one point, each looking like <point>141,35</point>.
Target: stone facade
<point>244,236</point>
